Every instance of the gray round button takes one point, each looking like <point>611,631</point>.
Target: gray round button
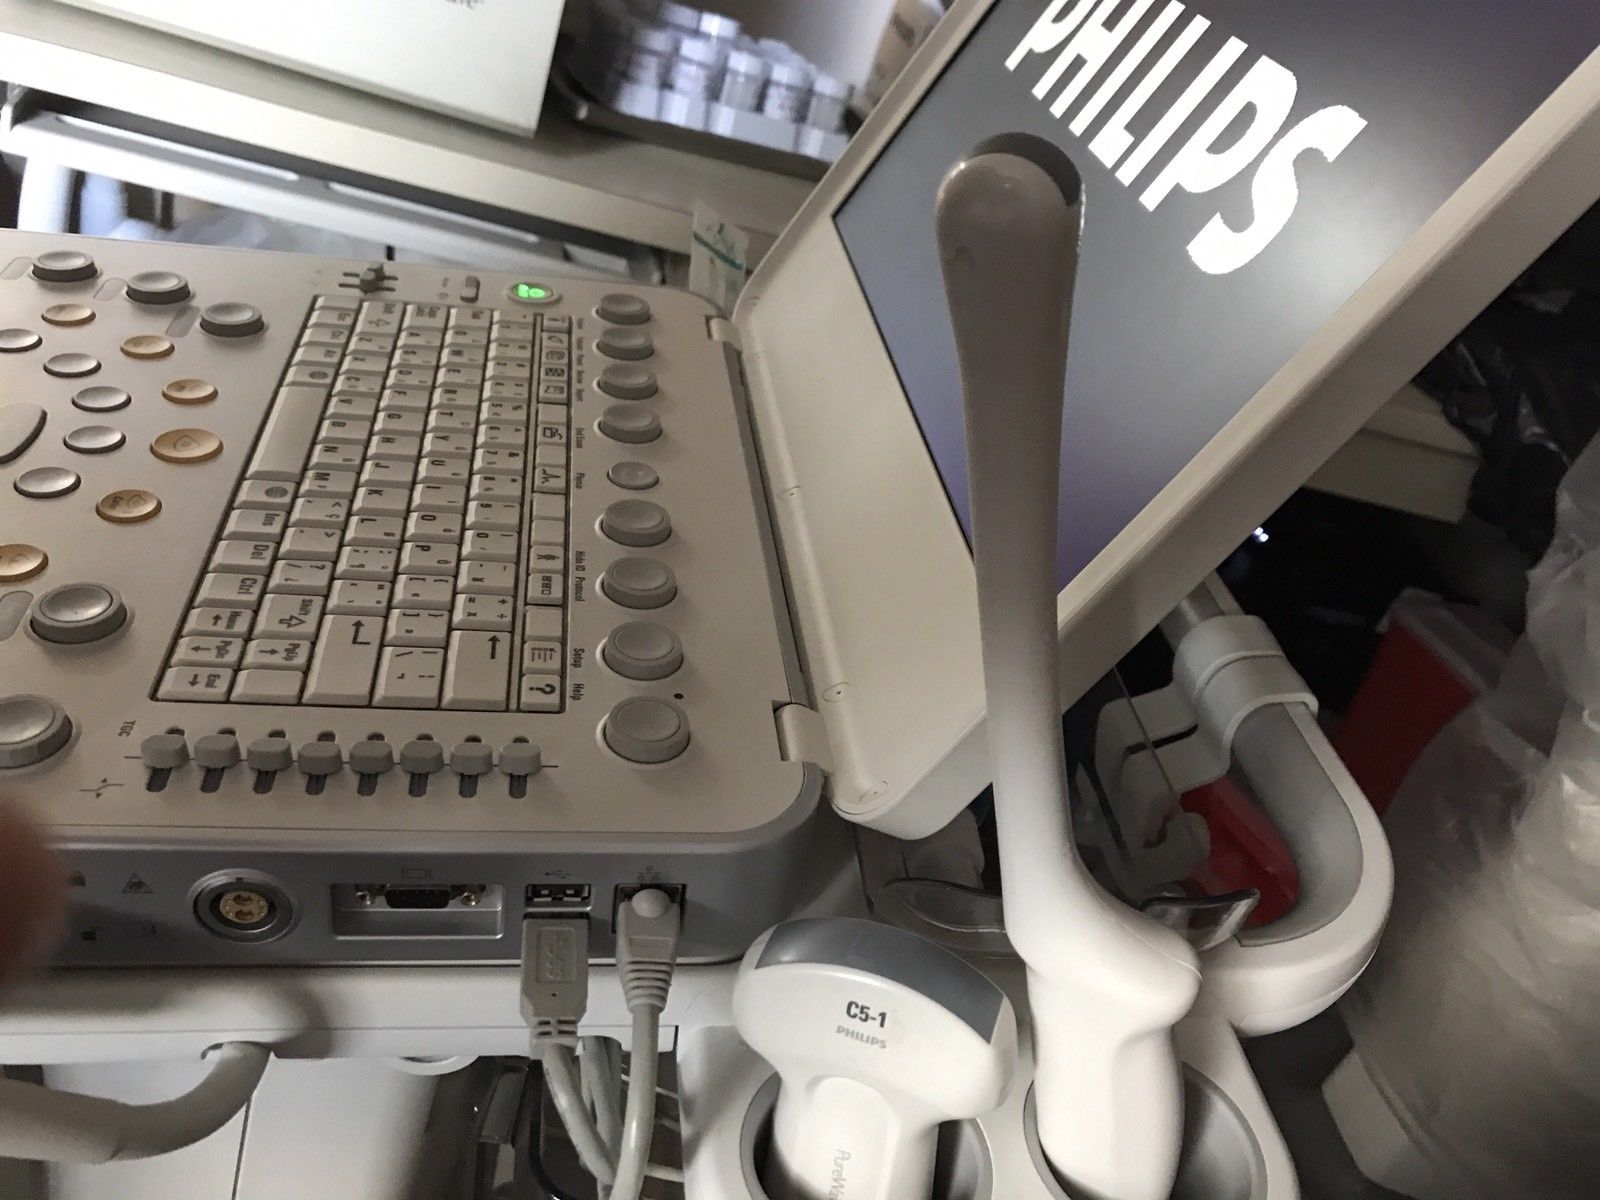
<point>232,319</point>
<point>94,439</point>
<point>15,341</point>
<point>628,344</point>
<point>47,483</point>
<point>32,728</point>
<point>71,366</point>
<point>101,399</point>
<point>64,266</point>
<point>321,758</point>
<point>643,650</point>
<point>164,751</point>
<point>635,476</point>
<point>645,730</point>
<point>639,583</point>
<point>636,523</point>
<point>217,751</point>
<point>625,423</point>
<point>627,381</point>
<point>620,308</point>
<point>269,754</point>
<point>158,287</point>
<point>75,613</point>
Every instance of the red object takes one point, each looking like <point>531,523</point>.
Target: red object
<point>1433,661</point>
<point>1246,850</point>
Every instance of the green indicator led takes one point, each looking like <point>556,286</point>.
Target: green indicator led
<point>531,291</point>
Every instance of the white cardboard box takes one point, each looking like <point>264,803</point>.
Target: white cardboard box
<point>484,60</point>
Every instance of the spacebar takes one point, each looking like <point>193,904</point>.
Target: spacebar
<point>281,454</point>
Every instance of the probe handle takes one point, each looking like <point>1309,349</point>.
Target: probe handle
<point>1105,984</point>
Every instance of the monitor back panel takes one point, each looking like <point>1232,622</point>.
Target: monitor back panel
<point>348,609</point>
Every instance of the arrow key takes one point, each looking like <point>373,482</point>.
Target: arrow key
<point>479,671</point>
<point>272,654</point>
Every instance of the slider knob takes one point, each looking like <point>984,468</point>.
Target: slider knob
<point>217,751</point>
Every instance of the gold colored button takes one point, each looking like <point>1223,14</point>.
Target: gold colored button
<point>19,561</point>
<point>149,345</point>
<point>186,446</point>
<point>190,391</point>
<point>68,314</point>
<point>129,506</point>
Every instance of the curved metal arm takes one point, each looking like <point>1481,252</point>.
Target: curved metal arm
<point>65,1127</point>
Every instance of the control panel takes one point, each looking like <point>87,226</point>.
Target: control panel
<point>346,609</point>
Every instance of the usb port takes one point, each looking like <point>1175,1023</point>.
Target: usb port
<point>558,897</point>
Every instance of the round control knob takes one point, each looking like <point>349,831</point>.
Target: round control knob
<point>622,309</point>
<point>627,381</point>
<point>321,758</point>
<point>636,523</point>
<point>47,483</point>
<point>521,758</point>
<point>372,757</point>
<point>164,751</point>
<point>639,583</point>
<point>158,287</point>
<point>421,757</point>
<point>31,730</point>
<point>635,476</point>
<point>643,650</point>
<point>232,319</point>
<point>624,423</point>
<point>75,613</point>
<point>646,730</point>
<point>631,345</point>
<point>472,758</point>
<point>64,266</point>
<point>217,751</point>
<point>269,754</point>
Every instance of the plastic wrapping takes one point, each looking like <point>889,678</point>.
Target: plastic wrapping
<point>1479,1019</point>
<point>1523,382</point>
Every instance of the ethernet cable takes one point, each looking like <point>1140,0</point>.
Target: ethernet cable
<point>555,981</point>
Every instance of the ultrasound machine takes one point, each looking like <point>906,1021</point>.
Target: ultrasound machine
<point>376,636</point>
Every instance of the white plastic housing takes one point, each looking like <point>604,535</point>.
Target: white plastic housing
<point>871,1061</point>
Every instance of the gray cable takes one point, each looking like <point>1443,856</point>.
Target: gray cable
<point>66,1127</point>
<point>561,1076</point>
<point>639,1123</point>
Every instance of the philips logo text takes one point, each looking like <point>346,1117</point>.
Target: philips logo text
<point>1093,56</point>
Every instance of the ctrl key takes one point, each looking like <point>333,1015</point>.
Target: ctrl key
<point>196,684</point>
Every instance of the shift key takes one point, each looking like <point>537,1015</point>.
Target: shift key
<point>478,674</point>
<point>346,658</point>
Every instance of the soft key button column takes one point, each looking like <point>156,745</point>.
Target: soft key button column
<point>545,591</point>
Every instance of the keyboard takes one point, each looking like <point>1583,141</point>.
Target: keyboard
<point>399,536</point>
<point>349,610</point>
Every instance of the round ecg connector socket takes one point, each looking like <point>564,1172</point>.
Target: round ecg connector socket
<point>243,906</point>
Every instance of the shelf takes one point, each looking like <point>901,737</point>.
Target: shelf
<point>563,173</point>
